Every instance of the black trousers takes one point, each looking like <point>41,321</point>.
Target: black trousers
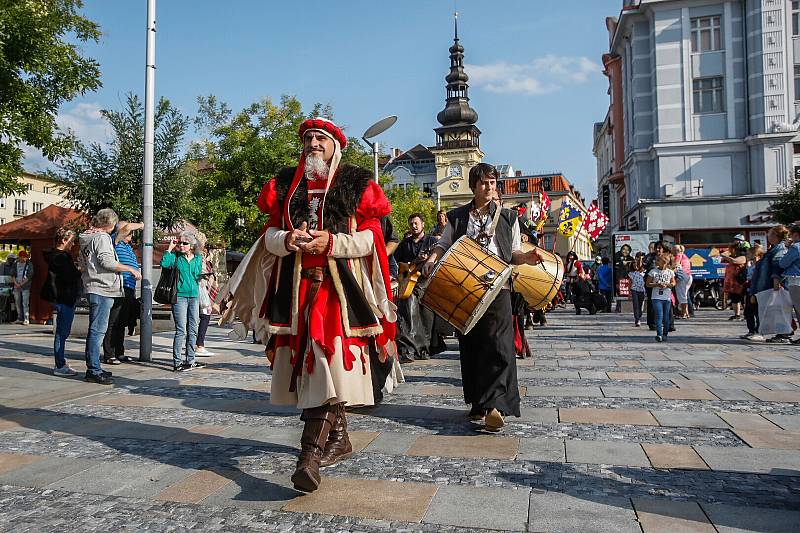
<point>751,315</point>
<point>114,340</point>
<point>202,328</point>
<point>414,327</point>
<point>637,298</point>
<point>488,361</point>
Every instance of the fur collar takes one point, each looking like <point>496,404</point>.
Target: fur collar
<point>343,197</point>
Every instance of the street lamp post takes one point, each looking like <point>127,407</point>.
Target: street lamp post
<point>146,318</point>
<point>373,131</point>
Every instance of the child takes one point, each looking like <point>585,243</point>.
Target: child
<point>636,275</point>
<point>661,279</point>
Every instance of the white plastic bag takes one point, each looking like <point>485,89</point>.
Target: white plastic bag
<point>203,296</point>
<point>774,312</point>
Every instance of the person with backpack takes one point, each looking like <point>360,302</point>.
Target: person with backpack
<point>63,289</point>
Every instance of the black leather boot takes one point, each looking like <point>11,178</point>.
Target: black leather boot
<point>338,446</point>
<point>318,422</point>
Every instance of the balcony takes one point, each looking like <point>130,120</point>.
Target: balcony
<point>20,212</point>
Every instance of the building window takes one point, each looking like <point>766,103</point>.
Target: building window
<point>46,190</point>
<point>797,82</point>
<point>523,186</point>
<point>29,186</point>
<point>429,188</point>
<point>37,206</point>
<point>795,18</point>
<point>706,34</point>
<point>548,241</point>
<point>708,95</point>
<point>2,221</point>
<point>2,203</point>
<point>19,208</point>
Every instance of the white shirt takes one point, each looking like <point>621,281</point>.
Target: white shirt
<point>665,277</point>
<point>476,225</point>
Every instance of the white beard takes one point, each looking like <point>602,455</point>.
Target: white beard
<point>315,167</point>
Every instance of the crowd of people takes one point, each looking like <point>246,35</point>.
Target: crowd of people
<point>106,271</point>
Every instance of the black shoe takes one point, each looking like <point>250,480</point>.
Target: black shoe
<point>111,361</point>
<point>100,379</point>
<point>671,330</point>
<point>197,364</point>
<point>106,373</point>
<point>124,359</point>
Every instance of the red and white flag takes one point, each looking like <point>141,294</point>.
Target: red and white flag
<point>595,221</point>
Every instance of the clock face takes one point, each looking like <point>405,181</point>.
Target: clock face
<point>455,171</point>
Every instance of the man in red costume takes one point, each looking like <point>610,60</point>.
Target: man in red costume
<point>315,289</point>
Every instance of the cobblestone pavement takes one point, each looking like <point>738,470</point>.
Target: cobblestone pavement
<point>617,433</point>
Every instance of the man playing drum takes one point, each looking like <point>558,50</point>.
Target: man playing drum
<point>488,361</point>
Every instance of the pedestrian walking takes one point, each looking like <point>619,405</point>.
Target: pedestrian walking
<point>766,279</point>
<point>62,289</point>
<point>790,263</point>
<point>754,255</point>
<point>23,279</point>
<point>102,281</point>
<point>207,293</point>
<point>636,275</point>
<point>660,280</point>
<point>733,290</point>
<point>124,306</point>
<point>683,276</point>
<point>574,272</point>
<point>605,282</point>
<point>658,248</point>
<point>186,310</point>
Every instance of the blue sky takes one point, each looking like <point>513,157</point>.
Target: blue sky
<point>535,68</point>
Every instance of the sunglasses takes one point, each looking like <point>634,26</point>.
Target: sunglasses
<point>183,243</point>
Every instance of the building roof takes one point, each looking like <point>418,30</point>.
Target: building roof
<point>41,224</point>
<point>417,153</point>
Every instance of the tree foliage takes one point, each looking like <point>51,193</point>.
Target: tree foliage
<point>39,71</point>
<point>241,153</point>
<point>97,176</point>
<point>786,209</point>
<point>406,201</point>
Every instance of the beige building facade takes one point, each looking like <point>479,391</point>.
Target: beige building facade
<point>39,193</point>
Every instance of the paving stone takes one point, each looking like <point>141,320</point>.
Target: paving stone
<point>565,392</point>
<point>685,394</point>
<point>255,491</point>
<point>539,415</point>
<point>763,461</point>
<point>480,507</point>
<point>747,421</point>
<point>664,515</point>
<point>140,400</point>
<point>12,461</point>
<point>692,420</point>
<point>44,472</point>
<point>392,443</point>
<point>737,519</point>
<point>606,453</point>
<point>628,363</point>
<point>197,486</point>
<point>777,396</point>
<point>122,479</point>
<point>673,456</point>
<point>387,500</point>
<point>731,364</point>
<point>787,422</point>
<point>555,512</point>
<point>644,376</point>
<point>731,394</point>
<point>589,374</point>
<point>549,450</point>
<point>778,439</point>
<point>489,446</point>
<point>628,392</point>
<point>607,416</point>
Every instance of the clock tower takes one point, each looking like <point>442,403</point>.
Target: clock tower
<point>457,147</point>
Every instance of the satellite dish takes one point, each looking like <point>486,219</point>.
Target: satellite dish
<point>380,126</point>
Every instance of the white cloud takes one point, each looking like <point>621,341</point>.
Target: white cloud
<point>84,120</point>
<point>543,75</point>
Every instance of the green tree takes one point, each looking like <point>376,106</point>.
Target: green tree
<point>39,71</point>
<point>786,209</point>
<point>97,176</point>
<point>240,154</point>
<point>406,201</point>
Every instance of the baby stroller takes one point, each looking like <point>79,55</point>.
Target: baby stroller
<point>585,296</point>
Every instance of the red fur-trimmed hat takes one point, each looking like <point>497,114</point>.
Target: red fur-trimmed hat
<point>325,126</point>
